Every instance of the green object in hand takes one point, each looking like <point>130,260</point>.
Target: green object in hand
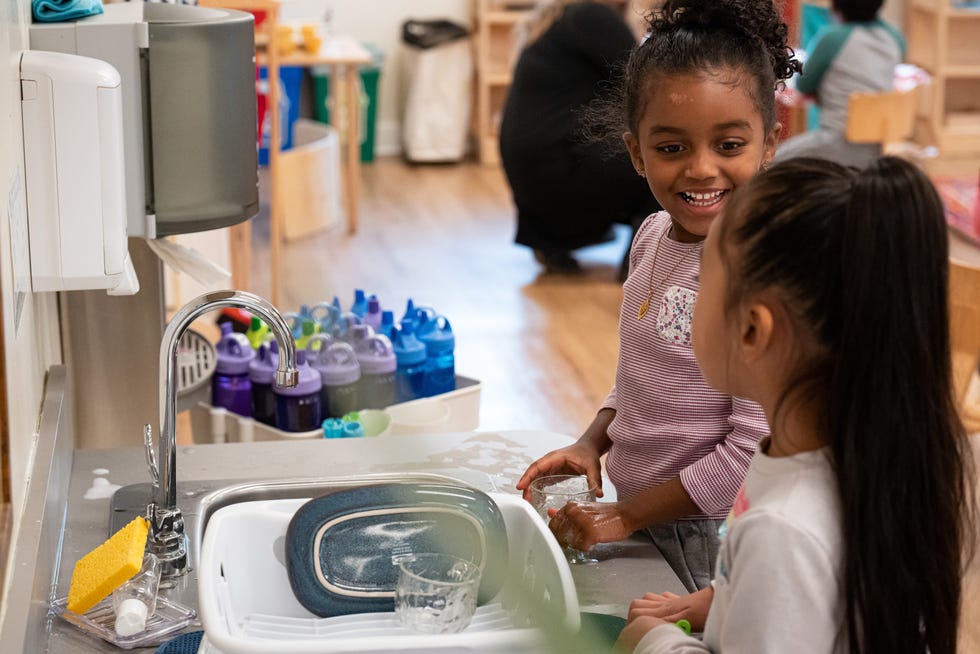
<point>684,626</point>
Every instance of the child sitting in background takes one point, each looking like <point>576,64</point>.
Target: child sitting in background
<point>698,109</point>
<point>857,55</point>
<point>824,298</point>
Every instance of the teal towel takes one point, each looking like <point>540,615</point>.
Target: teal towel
<point>53,11</point>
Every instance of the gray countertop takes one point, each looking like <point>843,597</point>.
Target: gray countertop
<point>489,461</point>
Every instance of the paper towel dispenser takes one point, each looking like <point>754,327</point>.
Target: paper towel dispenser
<point>71,108</point>
<point>189,117</point>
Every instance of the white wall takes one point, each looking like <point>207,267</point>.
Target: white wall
<point>30,322</point>
<point>379,22</point>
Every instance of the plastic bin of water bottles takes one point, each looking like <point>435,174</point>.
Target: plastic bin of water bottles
<point>455,411</point>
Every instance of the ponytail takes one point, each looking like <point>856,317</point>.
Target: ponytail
<point>898,446</point>
<point>861,259</point>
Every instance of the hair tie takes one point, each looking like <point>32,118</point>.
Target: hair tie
<point>677,14</point>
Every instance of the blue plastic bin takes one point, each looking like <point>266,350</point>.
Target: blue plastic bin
<point>291,81</point>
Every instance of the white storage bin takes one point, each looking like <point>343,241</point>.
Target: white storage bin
<point>247,605</point>
<point>457,410</point>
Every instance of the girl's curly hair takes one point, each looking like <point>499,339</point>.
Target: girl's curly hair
<point>697,36</point>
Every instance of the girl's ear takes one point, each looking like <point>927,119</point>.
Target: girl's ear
<point>756,331</point>
<point>772,140</point>
<point>633,146</point>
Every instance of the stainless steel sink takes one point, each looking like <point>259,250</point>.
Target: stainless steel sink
<point>199,500</point>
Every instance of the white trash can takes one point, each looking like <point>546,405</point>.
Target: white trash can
<point>438,74</point>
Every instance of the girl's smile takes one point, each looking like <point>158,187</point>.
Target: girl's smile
<point>700,137</point>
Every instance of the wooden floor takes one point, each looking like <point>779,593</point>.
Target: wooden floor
<point>543,346</point>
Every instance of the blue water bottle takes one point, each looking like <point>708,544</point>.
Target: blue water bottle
<point>262,374</point>
<point>410,355</point>
<point>378,365</point>
<point>230,386</point>
<point>341,374</point>
<point>298,407</point>
<point>387,323</point>
<point>360,303</point>
<point>440,364</point>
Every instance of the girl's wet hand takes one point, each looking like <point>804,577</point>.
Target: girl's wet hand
<point>584,524</point>
<point>572,460</point>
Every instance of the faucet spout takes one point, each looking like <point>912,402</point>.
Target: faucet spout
<point>163,513</point>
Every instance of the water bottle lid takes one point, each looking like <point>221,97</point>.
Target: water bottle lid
<point>357,335</point>
<point>309,379</point>
<point>387,317</point>
<point>333,428</point>
<point>341,328</point>
<point>330,315</point>
<point>374,306</point>
<point>409,310</point>
<point>262,369</point>
<point>308,327</point>
<point>376,355</point>
<point>439,338</point>
<point>360,303</point>
<point>337,364</point>
<point>408,349</point>
<point>234,352</point>
<point>425,318</point>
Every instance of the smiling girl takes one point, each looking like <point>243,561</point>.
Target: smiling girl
<point>697,108</point>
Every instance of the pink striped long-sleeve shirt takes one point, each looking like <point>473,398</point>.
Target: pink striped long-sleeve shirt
<point>668,420</point>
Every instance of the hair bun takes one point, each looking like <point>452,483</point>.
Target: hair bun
<point>757,21</point>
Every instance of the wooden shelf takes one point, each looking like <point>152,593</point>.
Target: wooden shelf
<point>495,24</point>
<point>943,40</point>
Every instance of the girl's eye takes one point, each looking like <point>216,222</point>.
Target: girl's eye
<point>673,148</point>
<point>731,146</point>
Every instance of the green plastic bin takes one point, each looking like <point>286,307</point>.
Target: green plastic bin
<point>370,78</point>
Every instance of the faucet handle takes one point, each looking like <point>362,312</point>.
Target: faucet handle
<point>151,457</point>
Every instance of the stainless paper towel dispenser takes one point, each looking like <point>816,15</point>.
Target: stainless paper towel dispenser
<point>189,118</point>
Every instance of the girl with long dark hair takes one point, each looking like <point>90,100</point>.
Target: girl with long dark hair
<point>824,298</point>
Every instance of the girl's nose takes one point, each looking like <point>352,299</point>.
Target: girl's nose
<point>701,165</point>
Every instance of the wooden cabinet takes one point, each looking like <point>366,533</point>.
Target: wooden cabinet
<point>945,40</point>
<point>495,57</point>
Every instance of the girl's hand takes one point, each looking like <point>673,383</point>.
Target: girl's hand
<point>670,607</point>
<point>576,459</point>
<point>583,524</point>
<point>635,630</point>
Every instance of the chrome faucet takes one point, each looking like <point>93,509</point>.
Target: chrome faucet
<point>167,540</point>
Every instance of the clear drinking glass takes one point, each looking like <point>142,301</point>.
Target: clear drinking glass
<point>436,593</point>
<point>554,492</point>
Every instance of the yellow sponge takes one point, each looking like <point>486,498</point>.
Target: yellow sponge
<point>108,566</point>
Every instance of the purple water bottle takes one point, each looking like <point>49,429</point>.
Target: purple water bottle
<point>340,373</point>
<point>230,387</point>
<point>298,407</point>
<point>262,373</point>
<point>378,364</point>
<point>373,315</point>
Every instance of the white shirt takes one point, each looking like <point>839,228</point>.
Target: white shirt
<point>778,584</point>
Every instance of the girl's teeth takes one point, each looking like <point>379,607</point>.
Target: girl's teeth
<point>702,199</point>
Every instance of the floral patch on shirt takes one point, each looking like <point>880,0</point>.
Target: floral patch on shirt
<point>676,311</point>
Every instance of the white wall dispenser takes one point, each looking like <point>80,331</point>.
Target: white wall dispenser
<point>75,175</point>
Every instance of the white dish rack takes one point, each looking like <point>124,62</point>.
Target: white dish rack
<point>247,605</point>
